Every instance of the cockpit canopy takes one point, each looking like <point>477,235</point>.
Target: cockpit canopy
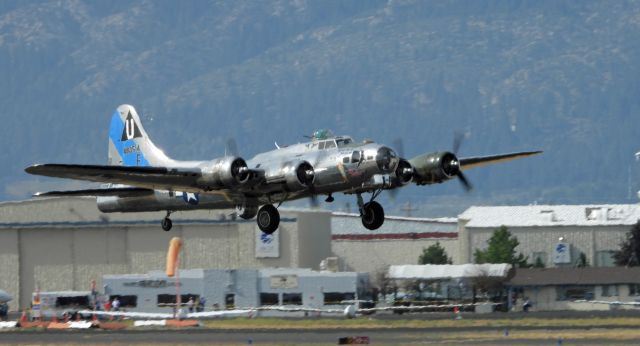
<point>325,139</point>
<point>339,142</point>
<point>322,134</point>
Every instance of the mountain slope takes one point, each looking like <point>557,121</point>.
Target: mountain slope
<point>551,75</point>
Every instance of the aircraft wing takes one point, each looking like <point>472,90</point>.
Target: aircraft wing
<point>118,192</point>
<point>479,161</point>
<point>159,178</point>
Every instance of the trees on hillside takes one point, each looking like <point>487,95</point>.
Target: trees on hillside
<point>501,249</point>
<point>434,254</point>
<point>629,253</point>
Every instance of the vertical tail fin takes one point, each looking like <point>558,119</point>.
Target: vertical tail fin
<point>129,144</point>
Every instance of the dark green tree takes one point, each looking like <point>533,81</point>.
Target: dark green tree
<point>538,263</point>
<point>434,254</point>
<point>629,253</point>
<point>501,249</point>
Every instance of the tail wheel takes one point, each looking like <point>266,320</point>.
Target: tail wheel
<point>167,224</point>
<point>268,219</point>
<point>372,215</point>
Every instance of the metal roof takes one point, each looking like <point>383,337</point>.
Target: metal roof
<point>351,224</point>
<point>552,215</point>
<point>448,271</point>
<point>575,276</point>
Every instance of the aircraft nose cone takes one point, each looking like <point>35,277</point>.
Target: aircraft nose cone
<point>386,159</point>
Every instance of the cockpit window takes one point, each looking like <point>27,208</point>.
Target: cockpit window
<point>343,142</point>
<point>321,145</point>
<point>329,144</point>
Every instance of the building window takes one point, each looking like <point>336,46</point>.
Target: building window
<point>291,298</point>
<point>634,289</point>
<point>333,298</point>
<point>267,299</point>
<point>230,301</point>
<point>126,301</point>
<point>574,293</point>
<point>605,258</point>
<point>609,290</point>
<point>170,299</point>
<point>72,301</point>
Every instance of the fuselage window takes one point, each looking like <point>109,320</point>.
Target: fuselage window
<point>355,157</point>
<point>345,160</point>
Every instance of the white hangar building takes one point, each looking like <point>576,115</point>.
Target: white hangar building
<point>557,234</point>
<point>63,244</point>
<point>400,240</point>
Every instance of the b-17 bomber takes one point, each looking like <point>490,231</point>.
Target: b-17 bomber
<point>139,177</point>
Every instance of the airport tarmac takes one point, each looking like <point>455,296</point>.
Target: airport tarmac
<point>399,336</point>
<point>585,328</point>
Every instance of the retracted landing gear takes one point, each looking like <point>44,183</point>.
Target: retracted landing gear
<point>268,218</point>
<point>371,213</point>
<point>166,222</point>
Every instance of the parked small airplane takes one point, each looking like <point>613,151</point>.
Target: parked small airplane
<point>141,177</point>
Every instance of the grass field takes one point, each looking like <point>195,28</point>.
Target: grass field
<point>365,323</point>
<point>472,331</point>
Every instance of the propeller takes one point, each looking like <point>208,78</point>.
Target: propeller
<point>231,147</point>
<point>306,175</point>
<point>398,146</point>
<point>458,138</point>
<point>313,201</point>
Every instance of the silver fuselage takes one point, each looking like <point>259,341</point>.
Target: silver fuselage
<point>335,170</point>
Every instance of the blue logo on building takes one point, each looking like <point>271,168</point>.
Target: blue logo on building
<point>561,248</point>
<point>266,238</point>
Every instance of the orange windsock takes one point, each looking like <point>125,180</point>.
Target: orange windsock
<point>172,255</point>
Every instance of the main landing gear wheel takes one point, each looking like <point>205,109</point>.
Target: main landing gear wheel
<point>372,215</point>
<point>167,224</point>
<point>268,218</point>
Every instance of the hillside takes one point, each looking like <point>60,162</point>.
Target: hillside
<point>560,76</point>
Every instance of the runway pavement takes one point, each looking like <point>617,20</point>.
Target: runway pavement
<point>397,336</point>
<point>582,334</point>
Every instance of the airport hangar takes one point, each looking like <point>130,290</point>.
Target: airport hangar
<point>61,244</point>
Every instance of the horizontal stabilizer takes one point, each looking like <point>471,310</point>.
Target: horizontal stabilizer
<point>118,192</point>
<point>479,161</point>
<point>156,178</point>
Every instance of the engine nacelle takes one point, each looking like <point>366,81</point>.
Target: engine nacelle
<point>404,172</point>
<point>225,172</point>
<point>435,167</point>
<point>298,175</point>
